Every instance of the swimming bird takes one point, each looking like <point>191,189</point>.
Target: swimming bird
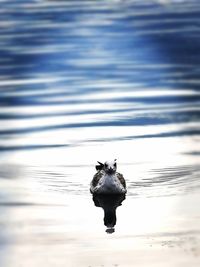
<point>107,180</point>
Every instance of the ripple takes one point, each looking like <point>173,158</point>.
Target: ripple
<point>85,74</point>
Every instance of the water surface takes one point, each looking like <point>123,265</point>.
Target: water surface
<point>82,81</point>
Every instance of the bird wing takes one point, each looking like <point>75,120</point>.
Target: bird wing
<point>100,166</point>
<point>96,178</point>
<point>121,179</point>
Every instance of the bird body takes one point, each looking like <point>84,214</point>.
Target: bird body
<point>107,180</point>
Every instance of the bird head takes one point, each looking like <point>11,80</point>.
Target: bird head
<point>110,167</point>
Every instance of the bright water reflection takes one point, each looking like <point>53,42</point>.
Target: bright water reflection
<point>82,81</point>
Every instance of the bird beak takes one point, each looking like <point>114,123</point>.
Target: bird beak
<point>110,170</point>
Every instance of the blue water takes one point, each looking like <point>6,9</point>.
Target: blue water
<point>82,81</point>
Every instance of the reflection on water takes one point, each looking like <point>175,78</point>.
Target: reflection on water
<point>109,203</point>
<point>82,81</point>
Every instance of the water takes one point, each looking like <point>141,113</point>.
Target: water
<point>82,81</point>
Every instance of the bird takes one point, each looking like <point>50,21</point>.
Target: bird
<point>107,180</point>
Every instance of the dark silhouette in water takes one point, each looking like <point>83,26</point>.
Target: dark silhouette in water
<point>109,203</point>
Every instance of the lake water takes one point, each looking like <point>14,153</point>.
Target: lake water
<point>87,81</point>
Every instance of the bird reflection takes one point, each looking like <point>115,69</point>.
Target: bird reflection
<point>109,203</point>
